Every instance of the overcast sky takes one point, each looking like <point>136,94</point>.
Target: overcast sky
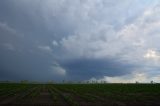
<point>111,40</point>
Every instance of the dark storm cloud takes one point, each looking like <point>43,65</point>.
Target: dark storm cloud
<point>77,40</point>
<point>83,69</point>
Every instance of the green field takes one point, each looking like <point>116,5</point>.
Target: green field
<point>79,94</point>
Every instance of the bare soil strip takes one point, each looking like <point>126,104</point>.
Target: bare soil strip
<point>44,98</point>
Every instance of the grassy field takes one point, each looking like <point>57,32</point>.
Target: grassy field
<point>79,94</point>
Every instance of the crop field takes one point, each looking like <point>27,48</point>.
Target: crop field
<point>79,94</point>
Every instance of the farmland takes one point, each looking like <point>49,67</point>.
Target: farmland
<point>79,94</point>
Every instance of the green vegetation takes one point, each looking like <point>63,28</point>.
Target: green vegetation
<point>80,94</point>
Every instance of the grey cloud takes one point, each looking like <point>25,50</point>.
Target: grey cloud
<point>85,37</point>
<point>84,69</point>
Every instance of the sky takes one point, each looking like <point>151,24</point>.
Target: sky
<point>80,40</point>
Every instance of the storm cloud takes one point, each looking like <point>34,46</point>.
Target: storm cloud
<point>79,40</point>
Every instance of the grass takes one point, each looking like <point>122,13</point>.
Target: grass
<point>88,94</point>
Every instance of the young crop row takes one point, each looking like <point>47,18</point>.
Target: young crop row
<point>113,92</point>
<point>81,94</point>
<point>64,96</point>
<point>13,92</point>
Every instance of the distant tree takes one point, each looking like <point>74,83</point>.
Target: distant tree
<point>152,82</point>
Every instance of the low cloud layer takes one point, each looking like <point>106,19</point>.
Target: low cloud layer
<point>134,77</point>
<point>79,40</point>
